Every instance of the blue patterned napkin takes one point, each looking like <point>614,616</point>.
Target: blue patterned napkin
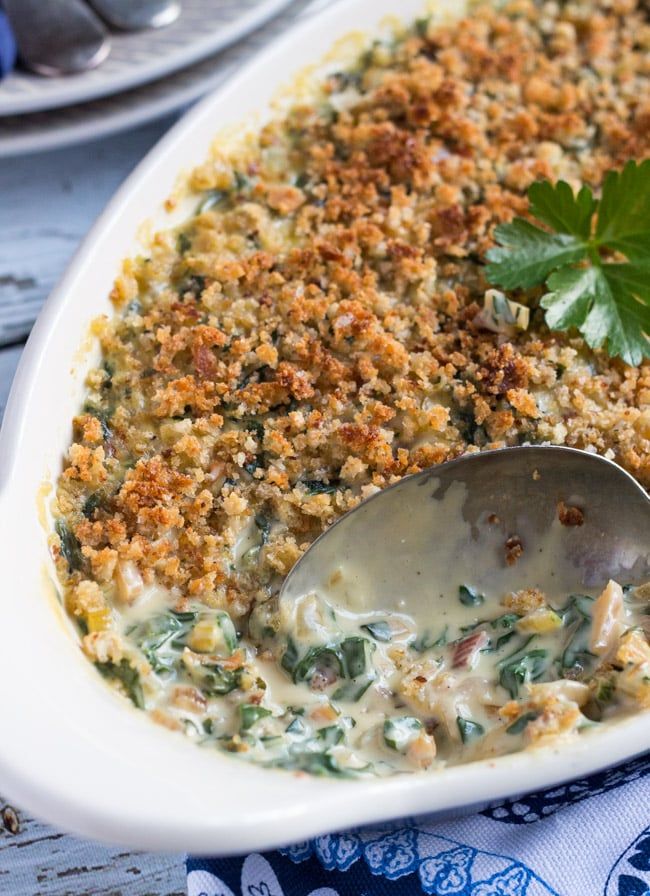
<point>586,838</point>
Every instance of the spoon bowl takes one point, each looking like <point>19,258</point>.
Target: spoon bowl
<point>558,519</point>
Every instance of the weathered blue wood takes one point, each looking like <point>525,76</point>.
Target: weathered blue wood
<point>47,204</point>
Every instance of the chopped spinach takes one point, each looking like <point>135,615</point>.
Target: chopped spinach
<point>127,675</point>
<point>94,502</point>
<point>163,637</point>
<point>519,724</point>
<point>380,631</point>
<point>318,659</point>
<point>470,597</point>
<point>464,629</point>
<point>318,487</point>
<point>508,620</point>
<point>183,243</point>
<point>103,416</point>
<point>343,80</point>
<point>255,426</point>
<point>263,527</point>
<point>469,730</point>
<point>160,639</point>
<point>290,657</point>
<point>191,728</point>
<point>578,607</point>
<point>355,654</point>
<point>353,690</point>
<point>426,641</point>
<point>257,463</point>
<point>605,691</point>
<point>470,430</point>
<point>348,659</point>
<point>194,284</point>
<point>109,370</point>
<point>501,642</point>
<point>309,761</point>
<point>576,618</point>
<point>399,732</point>
<point>297,726</point>
<point>522,666</point>
<point>250,713</point>
<point>422,26</point>
<point>250,558</point>
<point>228,630</point>
<point>214,679</point>
<point>210,200</point>
<point>70,547</point>
<point>263,374</point>
<point>184,615</point>
<point>331,735</point>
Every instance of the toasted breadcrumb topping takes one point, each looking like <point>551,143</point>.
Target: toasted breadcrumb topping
<point>313,333</point>
<point>311,336</point>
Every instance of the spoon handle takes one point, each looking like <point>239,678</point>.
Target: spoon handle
<point>59,37</point>
<point>127,15</point>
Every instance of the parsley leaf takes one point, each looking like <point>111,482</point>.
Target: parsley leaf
<point>555,205</point>
<point>600,308</point>
<point>635,277</point>
<point>608,301</point>
<point>624,212</point>
<point>529,254</point>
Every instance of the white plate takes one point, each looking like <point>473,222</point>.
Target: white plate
<point>203,27</point>
<point>73,752</point>
<point>55,128</point>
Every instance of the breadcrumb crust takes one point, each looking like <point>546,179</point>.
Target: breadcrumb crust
<point>311,335</point>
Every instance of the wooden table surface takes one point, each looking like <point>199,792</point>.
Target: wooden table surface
<point>47,203</point>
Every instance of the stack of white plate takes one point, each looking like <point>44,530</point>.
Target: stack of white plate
<point>147,75</point>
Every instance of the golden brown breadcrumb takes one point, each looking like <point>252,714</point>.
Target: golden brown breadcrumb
<point>311,335</point>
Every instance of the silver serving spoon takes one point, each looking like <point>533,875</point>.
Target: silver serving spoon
<point>554,518</point>
<point>135,15</point>
<point>58,37</point>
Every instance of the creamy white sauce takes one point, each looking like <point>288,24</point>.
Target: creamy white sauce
<point>412,586</point>
<point>391,653</point>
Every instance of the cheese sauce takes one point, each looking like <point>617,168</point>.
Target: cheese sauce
<point>403,669</point>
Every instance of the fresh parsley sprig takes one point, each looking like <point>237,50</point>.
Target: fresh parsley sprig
<point>607,300</point>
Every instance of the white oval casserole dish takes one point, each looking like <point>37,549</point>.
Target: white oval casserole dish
<point>73,752</point>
